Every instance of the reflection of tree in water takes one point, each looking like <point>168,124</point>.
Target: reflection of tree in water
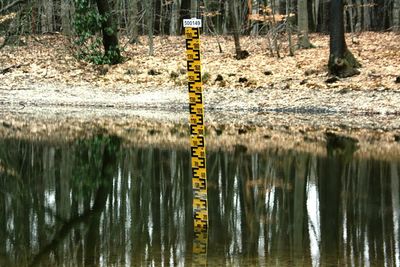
<point>95,200</point>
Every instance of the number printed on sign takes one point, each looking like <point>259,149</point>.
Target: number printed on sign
<point>192,23</point>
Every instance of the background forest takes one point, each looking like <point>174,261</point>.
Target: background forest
<point>135,17</point>
<point>113,32</point>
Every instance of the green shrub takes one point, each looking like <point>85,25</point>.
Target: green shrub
<point>88,38</point>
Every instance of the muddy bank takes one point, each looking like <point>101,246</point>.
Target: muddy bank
<point>245,119</point>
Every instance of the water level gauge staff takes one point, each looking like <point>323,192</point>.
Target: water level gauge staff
<point>197,138</point>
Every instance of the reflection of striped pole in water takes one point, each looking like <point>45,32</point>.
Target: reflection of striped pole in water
<point>197,140</point>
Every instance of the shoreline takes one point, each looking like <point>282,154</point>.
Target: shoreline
<point>159,117</point>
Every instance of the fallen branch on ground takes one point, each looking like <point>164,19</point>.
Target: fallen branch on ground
<point>8,69</point>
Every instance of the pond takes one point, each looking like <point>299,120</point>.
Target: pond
<point>102,202</point>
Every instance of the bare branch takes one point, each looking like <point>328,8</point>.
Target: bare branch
<point>12,5</point>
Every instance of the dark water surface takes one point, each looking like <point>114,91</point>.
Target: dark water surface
<point>99,203</point>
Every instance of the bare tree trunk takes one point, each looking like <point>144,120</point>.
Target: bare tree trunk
<point>351,20</point>
<point>65,17</point>
<point>359,16</point>
<point>240,54</point>
<point>157,16</point>
<point>315,13</point>
<point>184,11</point>
<point>341,61</point>
<point>225,17</point>
<point>303,42</point>
<point>367,16</point>
<point>396,15</point>
<point>150,22</point>
<point>132,21</point>
<point>193,8</point>
<point>253,10</point>
<point>289,28</point>
<point>47,16</point>
<point>110,33</point>
<point>173,27</point>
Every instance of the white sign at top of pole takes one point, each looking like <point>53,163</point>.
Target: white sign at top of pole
<point>192,23</point>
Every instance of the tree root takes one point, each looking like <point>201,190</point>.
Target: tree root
<point>345,66</point>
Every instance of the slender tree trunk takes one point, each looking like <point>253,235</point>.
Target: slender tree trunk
<point>184,12</point>
<point>289,28</point>
<point>341,61</point>
<point>226,6</point>
<point>359,16</point>
<point>396,15</point>
<point>110,34</point>
<point>351,20</point>
<point>193,8</point>
<point>303,42</point>
<point>367,15</point>
<point>157,15</point>
<point>65,17</point>
<point>240,54</point>
<point>150,26</point>
<point>253,7</point>
<point>316,13</point>
<point>173,27</point>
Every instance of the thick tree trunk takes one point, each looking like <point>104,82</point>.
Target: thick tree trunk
<point>47,16</point>
<point>110,34</point>
<point>303,42</point>
<point>342,63</point>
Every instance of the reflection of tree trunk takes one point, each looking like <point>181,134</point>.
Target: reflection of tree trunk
<point>214,210</point>
<point>92,242</point>
<point>91,216</point>
<point>300,230</point>
<point>135,200</point>
<point>3,223</point>
<point>377,218</point>
<point>395,188</point>
<point>329,183</point>
<point>156,177</point>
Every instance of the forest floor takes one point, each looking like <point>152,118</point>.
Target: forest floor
<point>259,102</point>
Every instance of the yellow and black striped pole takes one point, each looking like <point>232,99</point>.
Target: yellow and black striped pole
<point>197,138</point>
